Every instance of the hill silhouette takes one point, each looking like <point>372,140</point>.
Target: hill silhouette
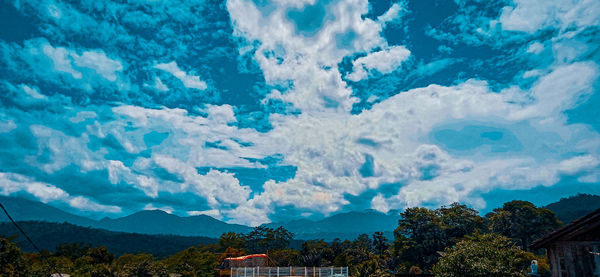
<point>573,207</point>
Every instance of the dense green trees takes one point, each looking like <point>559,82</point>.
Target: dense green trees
<point>449,241</point>
<point>486,255</point>
<point>261,239</point>
<point>522,221</point>
<point>12,262</point>
<point>422,232</point>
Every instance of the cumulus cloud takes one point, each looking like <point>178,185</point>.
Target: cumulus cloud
<point>532,15</point>
<point>309,61</point>
<point>189,81</point>
<point>535,47</point>
<point>33,92</point>
<point>62,60</point>
<point>384,61</point>
<point>99,62</point>
<point>391,15</point>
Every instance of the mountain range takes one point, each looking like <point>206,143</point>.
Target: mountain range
<point>154,222</point>
<point>343,225</point>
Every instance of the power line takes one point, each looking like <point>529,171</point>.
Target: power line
<point>26,236</point>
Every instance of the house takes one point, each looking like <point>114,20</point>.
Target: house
<point>574,250</point>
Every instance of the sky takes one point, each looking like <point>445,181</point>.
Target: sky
<point>257,111</point>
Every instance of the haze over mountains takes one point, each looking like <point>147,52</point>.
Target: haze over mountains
<point>343,225</point>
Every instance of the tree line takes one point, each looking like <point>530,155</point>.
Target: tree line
<point>452,240</point>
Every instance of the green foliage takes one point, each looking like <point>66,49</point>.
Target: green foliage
<point>192,262</point>
<point>380,243</point>
<point>422,232</point>
<point>369,268</point>
<point>12,262</point>
<point>45,266</point>
<point>484,255</point>
<point>285,257</point>
<point>522,221</point>
<point>261,239</point>
<point>72,250</point>
<point>316,253</point>
<point>49,235</point>
<point>140,265</point>
<point>232,240</point>
<point>458,221</point>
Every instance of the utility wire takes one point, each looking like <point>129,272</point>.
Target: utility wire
<point>26,236</point>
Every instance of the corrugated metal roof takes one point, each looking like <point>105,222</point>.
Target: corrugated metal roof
<point>247,257</point>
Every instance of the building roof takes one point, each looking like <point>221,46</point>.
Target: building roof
<point>242,258</point>
<point>571,230</point>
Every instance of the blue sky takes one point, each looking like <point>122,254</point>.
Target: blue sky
<point>254,111</point>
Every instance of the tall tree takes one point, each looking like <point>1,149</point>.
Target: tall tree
<point>522,221</point>
<point>262,239</point>
<point>419,236</point>
<point>380,243</point>
<point>232,240</point>
<point>255,240</point>
<point>279,238</point>
<point>458,220</point>
<point>316,253</point>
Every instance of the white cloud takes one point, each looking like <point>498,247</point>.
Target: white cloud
<point>64,59</point>
<point>379,203</point>
<point>391,15</point>
<point>578,164</point>
<point>328,148</point>
<point>384,61</point>
<point>99,62</point>
<point>309,62</point>
<point>189,81</point>
<point>158,85</point>
<point>33,92</point>
<point>212,213</point>
<point>532,15</point>
<point>326,143</point>
<point>7,125</point>
<point>560,89</point>
<point>82,116</point>
<point>11,183</point>
<point>532,73</point>
<point>61,59</point>
<point>535,47</point>
<point>215,186</point>
<point>84,204</point>
<point>221,113</point>
<point>166,209</point>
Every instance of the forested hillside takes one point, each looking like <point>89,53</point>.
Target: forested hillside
<point>574,207</point>
<point>50,235</point>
